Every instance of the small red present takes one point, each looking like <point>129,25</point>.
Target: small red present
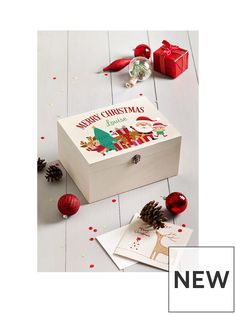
<point>170,60</point>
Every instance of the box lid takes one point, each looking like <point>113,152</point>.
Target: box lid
<point>118,129</point>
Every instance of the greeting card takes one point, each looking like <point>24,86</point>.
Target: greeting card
<point>142,243</point>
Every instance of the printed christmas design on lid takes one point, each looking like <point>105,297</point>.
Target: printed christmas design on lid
<point>113,130</point>
<point>144,129</point>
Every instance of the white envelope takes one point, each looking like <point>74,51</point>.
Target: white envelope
<point>109,242</point>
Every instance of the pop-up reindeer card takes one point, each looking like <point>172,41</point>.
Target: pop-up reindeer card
<point>147,245</point>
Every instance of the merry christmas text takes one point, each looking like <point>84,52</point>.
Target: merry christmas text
<point>108,113</point>
<point>142,231</point>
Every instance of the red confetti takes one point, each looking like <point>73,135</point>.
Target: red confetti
<point>42,137</point>
<point>140,94</point>
<point>91,239</point>
<point>179,230</point>
<point>138,238</point>
<point>106,74</point>
<point>113,201</point>
<point>91,265</point>
<point>90,228</point>
<point>183,225</point>
<point>54,78</point>
<point>95,230</point>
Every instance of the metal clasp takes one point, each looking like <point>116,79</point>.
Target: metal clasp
<point>136,159</point>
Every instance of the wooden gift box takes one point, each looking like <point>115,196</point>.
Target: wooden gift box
<point>118,148</point>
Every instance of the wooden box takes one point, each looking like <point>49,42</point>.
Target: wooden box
<point>118,148</point>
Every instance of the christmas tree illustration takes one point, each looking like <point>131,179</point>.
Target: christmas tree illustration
<point>104,138</point>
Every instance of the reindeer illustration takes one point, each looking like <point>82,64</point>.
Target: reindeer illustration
<point>93,145</point>
<point>159,247</point>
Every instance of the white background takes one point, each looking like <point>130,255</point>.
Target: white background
<point>25,290</point>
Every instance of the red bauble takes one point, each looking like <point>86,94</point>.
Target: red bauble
<point>142,51</point>
<point>68,205</point>
<point>176,202</point>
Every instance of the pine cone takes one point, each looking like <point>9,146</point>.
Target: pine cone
<point>41,163</point>
<point>53,173</point>
<point>153,215</point>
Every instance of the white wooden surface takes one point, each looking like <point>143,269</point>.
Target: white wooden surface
<point>74,58</point>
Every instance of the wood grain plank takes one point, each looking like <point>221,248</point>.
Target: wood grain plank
<point>131,202</point>
<point>193,38</point>
<point>80,251</point>
<point>87,90</point>
<point>52,62</point>
<point>51,225</point>
<point>178,100</point>
<point>52,93</point>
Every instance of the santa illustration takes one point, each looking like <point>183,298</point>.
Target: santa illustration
<point>159,129</point>
<point>144,125</point>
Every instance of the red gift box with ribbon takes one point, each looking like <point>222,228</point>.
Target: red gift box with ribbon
<point>170,60</point>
